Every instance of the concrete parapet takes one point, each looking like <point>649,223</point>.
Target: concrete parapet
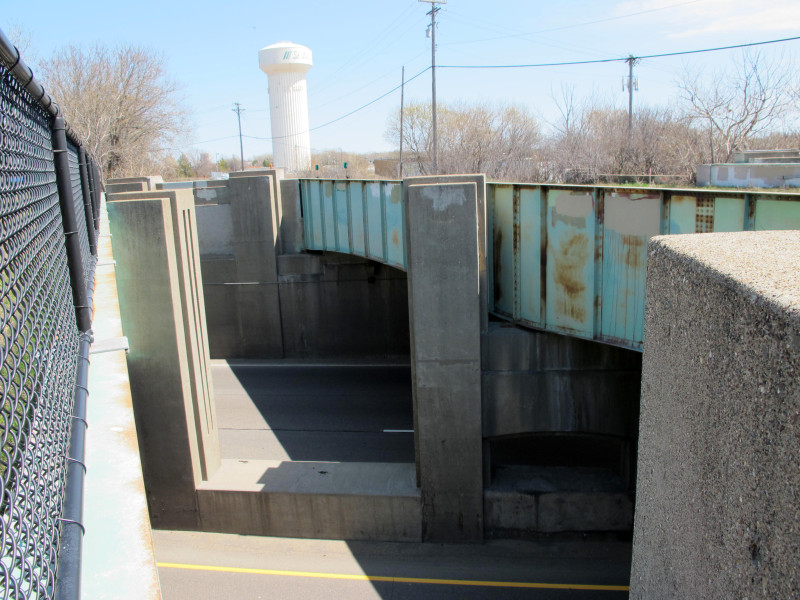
<point>133,184</point>
<point>445,269</point>
<point>717,497</point>
<point>161,305</point>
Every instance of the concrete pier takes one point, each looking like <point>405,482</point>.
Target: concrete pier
<point>445,317</point>
<point>155,246</point>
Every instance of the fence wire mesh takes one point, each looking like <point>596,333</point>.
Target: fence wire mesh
<point>80,213</point>
<point>38,349</point>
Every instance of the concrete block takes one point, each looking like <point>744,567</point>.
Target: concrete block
<point>718,470</point>
<point>575,511</point>
<point>510,513</point>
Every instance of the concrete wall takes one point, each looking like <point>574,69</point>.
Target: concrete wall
<point>717,508</point>
<point>264,299</point>
<point>755,175</point>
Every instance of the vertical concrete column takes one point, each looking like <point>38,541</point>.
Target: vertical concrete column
<point>443,222</point>
<point>162,313</point>
<point>255,247</point>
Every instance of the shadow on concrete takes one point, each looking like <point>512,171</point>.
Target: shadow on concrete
<point>301,412</point>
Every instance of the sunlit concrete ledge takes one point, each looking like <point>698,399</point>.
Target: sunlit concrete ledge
<point>325,500</point>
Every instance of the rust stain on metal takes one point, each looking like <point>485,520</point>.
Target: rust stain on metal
<point>498,264</point>
<point>633,251</point>
<point>570,260</point>
<point>395,237</point>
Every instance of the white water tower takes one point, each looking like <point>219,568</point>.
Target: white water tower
<point>286,65</point>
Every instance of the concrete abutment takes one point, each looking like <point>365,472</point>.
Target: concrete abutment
<point>480,388</point>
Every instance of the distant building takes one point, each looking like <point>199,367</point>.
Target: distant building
<point>754,169</point>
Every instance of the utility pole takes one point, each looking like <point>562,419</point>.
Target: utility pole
<point>432,13</point>
<point>402,92</point>
<point>632,84</point>
<point>238,110</point>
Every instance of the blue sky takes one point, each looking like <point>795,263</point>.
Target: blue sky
<point>359,48</point>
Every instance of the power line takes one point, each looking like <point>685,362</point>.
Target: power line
<point>624,59</point>
<point>352,112</point>
<point>605,20</point>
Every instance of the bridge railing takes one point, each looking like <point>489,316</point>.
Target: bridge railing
<point>49,202</point>
<point>564,258</point>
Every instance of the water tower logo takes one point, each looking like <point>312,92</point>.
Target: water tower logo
<point>295,54</point>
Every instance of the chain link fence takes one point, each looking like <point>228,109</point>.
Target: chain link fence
<point>45,289</point>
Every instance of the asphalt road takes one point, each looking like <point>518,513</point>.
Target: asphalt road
<point>202,565</point>
<point>357,413</point>
<point>350,413</point>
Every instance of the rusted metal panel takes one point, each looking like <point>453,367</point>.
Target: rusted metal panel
<point>774,213</point>
<point>630,220</point>
<point>570,261</point>
<point>395,225</point>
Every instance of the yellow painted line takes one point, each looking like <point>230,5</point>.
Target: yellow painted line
<point>505,584</point>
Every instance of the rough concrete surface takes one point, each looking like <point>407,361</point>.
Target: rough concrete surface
<point>444,270</point>
<point>718,510</point>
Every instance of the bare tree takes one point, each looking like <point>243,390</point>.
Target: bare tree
<point>735,106</point>
<point>120,102</point>
<point>472,139</point>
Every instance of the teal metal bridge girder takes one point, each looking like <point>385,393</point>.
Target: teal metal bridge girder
<point>569,259</point>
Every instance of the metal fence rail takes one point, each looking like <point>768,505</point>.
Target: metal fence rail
<point>46,274</point>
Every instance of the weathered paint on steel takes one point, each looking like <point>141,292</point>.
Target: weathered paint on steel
<point>395,225</point>
<point>328,216</point>
<point>502,208</point>
<point>630,220</point>
<point>342,207</point>
<point>570,261</point>
<point>530,255</point>
<point>357,227</point>
<point>682,214</point>
<point>776,214</point>
<point>729,214</point>
<point>374,211</point>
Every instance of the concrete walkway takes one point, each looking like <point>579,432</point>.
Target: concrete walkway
<point>202,565</point>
